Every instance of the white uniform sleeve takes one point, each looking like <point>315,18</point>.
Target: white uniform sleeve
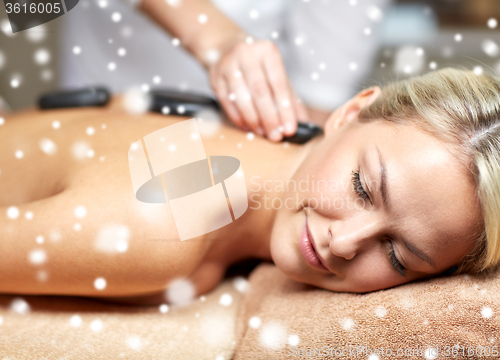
<point>331,48</point>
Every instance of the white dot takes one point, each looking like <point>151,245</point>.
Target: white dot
<point>367,31</point>
<point>90,131</point>
<point>240,283</point>
<point>134,342</point>
<point>172,147</point>
<point>42,275</point>
<point>458,37</point>
<point>293,340</point>
<point>315,76</point>
<point>239,145</point>
<point>254,322</point>
<point>80,212</point>
<point>275,34</point>
<point>6,28</point>
<point>273,335</point>
<point>226,299</point>
<point>19,154</point>
<point>165,110</point>
<point>249,40</point>
<point>116,17</point>
<point>47,146</point>
<point>156,79</point>
<point>373,357</point>
<point>77,227</point>
<point>490,48</point>
<point>29,215</point>
<point>181,109</point>
<point>347,324</point>
<point>407,69</point>
<point>174,3</point>
<point>122,52</point>
<point>433,65</point>
<point>299,40</point>
<point>353,66</point>
<point>15,82</point>
<point>380,311</point>
<point>232,96</point>
<point>164,308</point>
<point>2,121</point>
<point>254,14</point>
<point>382,65</point>
<point>111,66</point>
<point>42,56</point>
<point>492,23</point>
<point>212,56</point>
<point>478,70</point>
<point>100,283</point>
<point>90,153</point>
<point>353,2</point>
<point>176,42</point>
<point>77,50</point>
<point>96,325</point>
<point>322,66</point>
<point>20,306</point>
<point>56,124</point>
<point>102,3</point>
<point>37,257</point>
<point>431,353</point>
<point>202,18</point>
<point>36,34</point>
<point>374,13</point>
<point>75,321</point>
<point>250,135</point>
<point>39,239</point>
<point>12,212</point>
<point>202,298</point>
<point>180,291</point>
<point>194,136</point>
<point>486,312</point>
<point>419,51</point>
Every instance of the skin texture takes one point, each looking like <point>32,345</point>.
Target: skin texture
<point>433,205</point>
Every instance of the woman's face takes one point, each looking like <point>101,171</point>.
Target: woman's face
<point>429,204</point>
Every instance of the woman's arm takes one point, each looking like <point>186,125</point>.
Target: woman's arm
<point>198,24</point>
<point>248,77</point>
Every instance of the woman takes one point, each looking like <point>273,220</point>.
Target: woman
<point>402,186</point>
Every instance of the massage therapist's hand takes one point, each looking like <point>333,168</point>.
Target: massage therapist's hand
<point>251,84</point>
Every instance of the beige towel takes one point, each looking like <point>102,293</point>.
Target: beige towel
<point>453,317</point>
<point>51,327</point>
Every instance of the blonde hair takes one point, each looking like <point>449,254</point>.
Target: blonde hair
<point>463,108</point>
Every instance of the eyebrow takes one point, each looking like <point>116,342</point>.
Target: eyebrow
<point>384,193</point>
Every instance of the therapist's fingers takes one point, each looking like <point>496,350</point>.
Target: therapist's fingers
<point>242,98</point>
<point>255,76</point>
<point>220,87</point>
<point>284,98</point>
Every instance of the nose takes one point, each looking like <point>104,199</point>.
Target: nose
<point>350,236</point>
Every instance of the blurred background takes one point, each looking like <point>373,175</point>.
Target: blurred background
<point>416,36</point>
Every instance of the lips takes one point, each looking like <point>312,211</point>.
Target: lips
<point>307,249</point>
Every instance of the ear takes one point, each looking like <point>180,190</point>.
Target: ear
<point>350,110</point>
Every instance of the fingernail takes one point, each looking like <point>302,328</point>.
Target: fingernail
<point>260,131</point>
<point>288,128</point>
<point>275,135</point>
